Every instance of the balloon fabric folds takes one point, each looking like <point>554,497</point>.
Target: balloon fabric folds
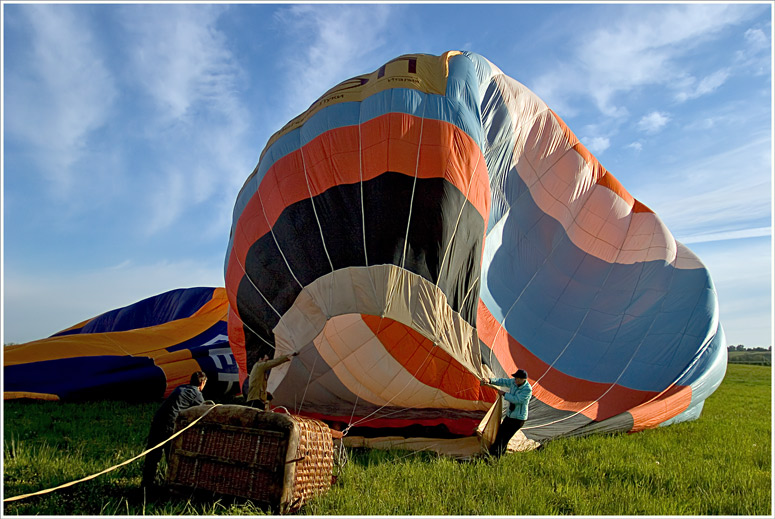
<point>433,223</point>
<point>139,352</point>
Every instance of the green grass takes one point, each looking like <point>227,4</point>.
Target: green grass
<point>717,465</point>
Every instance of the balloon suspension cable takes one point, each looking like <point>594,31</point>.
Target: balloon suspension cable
<point>363,209</point>
<point>255,332</point>
<point>365,419</point>
<point>309,379</point>
<point>314,210</point>
<point>257,289</point>
<point>414,183</point>
<point>510,205</point>
<point>417,406</point>
<point>403,409</point>
<point>414,376</point>
<point>274,237</point>
<point>350,422</point>
<point>341,458</point>
<point>621,373</point>
<point>392,291</point>
<point>567,345</point>
<point>609,269</point>
<point>459,216</point>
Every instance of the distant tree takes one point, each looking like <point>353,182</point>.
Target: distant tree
<point>740,347</point>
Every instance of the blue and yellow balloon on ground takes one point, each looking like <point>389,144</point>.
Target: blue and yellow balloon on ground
<point>139,352</point>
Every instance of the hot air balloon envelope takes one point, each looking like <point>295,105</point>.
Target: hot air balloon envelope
<point>432,224</point>
<point>139,352</point>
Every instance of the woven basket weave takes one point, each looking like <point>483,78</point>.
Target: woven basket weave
<point>274,459</point>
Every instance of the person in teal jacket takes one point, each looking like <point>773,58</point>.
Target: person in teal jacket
<point>518,396</point>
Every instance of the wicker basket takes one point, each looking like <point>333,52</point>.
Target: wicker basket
<point>274,459</point>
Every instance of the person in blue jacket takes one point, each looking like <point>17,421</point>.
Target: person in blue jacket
<point>518,396</point>
<point>163,424</point>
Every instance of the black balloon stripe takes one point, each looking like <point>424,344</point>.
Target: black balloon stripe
<point>437,205</point>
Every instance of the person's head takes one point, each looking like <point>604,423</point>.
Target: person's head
<point>520,376</point>
<point>198,379</point>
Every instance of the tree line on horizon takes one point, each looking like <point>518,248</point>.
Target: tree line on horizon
<point>740,347</point>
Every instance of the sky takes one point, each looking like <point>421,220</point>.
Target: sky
<point>129,129</point>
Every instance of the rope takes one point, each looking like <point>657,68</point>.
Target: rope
<point>277,243</point>
<point>314,210</point>
<point>414,377</point>
<point>392,288</point>
<point>340,456</point>
<point>114,467</point>
<point>298,410</point>
<point>404,409</point>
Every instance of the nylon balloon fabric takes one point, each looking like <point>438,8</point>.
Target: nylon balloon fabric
<point>433,223</point>
<point>138,352</point>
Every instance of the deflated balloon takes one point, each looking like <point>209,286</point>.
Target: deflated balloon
<point>139,352</point>
<point>434,223</point>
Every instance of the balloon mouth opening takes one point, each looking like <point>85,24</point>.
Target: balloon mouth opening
<point>385,362</point>
<point>379,293</point>
<point>389,380</point>
<point>378,337</point>
<point>372,356</point>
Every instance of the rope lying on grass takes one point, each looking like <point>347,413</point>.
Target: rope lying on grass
<point>114,467</point>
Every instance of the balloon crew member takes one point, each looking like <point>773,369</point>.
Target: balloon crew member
<point>163,424</point>
<point>259,376</point>
<point>518,396</point>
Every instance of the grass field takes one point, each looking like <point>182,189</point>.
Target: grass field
<point>717,465</point>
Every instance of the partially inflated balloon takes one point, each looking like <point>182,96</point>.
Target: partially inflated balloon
<point>138,352</point>
<point>434,223</point>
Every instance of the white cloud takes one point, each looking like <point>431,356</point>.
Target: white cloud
<point>730,235</point>
<point>711,82</point>
<point>757,40</point>
<point>653,122</point>
<point>641,47</point>
<point>637,146</point>
<point>695,210</point>
<point>756,56</point>
<point>706,86</point>
<point>62,93</point>
<point>596,144</point>
<point>705,123</point>
<point>168,199</point>
<point>708,198</point>
<point>335,43</point>
<point>38,305</point>
<point>182,61</point>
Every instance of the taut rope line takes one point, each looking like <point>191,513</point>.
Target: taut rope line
<point>114,467</point>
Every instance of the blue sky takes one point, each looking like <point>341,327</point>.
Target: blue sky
<point>128,129</point>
